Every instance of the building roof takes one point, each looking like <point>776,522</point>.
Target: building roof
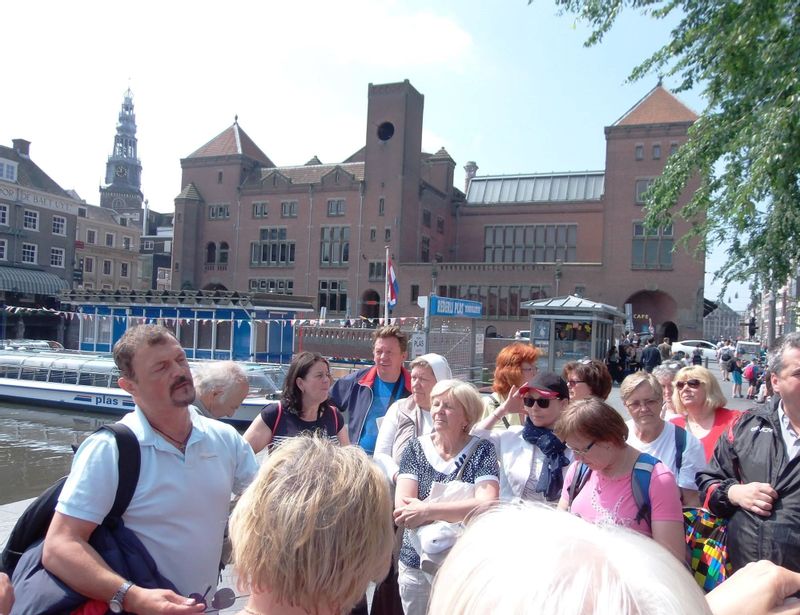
<point>30,175</point>
<point>104,214</point>
<point>233,141</point>
<point>190,192</point>
<point>658,106</point>
<point>20,280</point>
<point>570,303</point>
<point>536,188</point>
<point>313,174</point>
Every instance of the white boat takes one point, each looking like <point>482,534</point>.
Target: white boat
<point>72,380</point>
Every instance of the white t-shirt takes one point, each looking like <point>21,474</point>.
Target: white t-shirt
<point>180,507</point>
<point>663,448</point>
<point>386,437</point>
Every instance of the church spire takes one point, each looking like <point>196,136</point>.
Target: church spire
<point>122,191</point>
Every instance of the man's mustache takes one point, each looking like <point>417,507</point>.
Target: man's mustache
<point>180,382</point>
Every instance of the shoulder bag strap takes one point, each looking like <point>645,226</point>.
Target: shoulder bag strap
<point>579,479</point>
<point>460,472</point>
<point>129,464</point>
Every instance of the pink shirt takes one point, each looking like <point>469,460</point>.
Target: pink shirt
<point>610,500</point>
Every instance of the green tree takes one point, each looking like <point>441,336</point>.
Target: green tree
<point>745,146</point>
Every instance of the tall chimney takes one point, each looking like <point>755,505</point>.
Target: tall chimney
<point>22,147</point>
<point>472,169</point>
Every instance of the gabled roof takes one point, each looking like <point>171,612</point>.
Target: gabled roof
<point>359,156</point>
<point>313,174</point>
<point>658,106</point>
<point>190,193</point>
<point>313,161</point>
<point>30,175</point>
<point>233,141</point>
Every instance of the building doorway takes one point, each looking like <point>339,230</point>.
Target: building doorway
<point>370,304</point>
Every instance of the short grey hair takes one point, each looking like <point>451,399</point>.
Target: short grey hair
<point>217,375</point>
<point>775,357</point>
<point>667,369</point>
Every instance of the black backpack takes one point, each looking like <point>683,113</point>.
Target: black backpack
<point>32,525</point>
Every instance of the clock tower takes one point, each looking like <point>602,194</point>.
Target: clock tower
<point>122,191</point>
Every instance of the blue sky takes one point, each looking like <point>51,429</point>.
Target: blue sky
<point>507,84</point>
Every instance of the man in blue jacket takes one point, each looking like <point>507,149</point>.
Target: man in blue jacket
<point>367,394</point>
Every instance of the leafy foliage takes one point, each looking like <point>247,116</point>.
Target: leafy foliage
<point>745,147</point>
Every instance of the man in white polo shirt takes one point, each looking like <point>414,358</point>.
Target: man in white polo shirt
<point>190,465</point>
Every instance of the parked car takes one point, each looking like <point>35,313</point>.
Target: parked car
<point>523,335</point>
<point>688,347</point>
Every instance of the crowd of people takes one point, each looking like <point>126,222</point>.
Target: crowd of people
<point>536,498</point>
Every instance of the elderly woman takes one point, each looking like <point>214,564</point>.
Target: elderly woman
<point>603,475</point>
<point>448,453</point>
<point>665,374</point>
<point>679,450</point>
<point>303,408</point>
<point>514,366</point>
<point>532,458</point>
<point>307,540</point>
<point>587,377</point>
<point>410,417</point>
<point>701,406</point>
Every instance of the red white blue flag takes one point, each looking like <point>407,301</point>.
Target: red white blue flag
<point>393,287</point>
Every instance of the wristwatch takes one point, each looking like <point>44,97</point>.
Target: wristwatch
<point>115,604</point>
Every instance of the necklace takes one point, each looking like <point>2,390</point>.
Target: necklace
<point>179,444</point>
<point>247,609</point>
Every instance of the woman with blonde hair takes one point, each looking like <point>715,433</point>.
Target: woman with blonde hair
<point>449,453</point>
<point>515,365</point>
<point>700,405</point>
<point>312,530</point>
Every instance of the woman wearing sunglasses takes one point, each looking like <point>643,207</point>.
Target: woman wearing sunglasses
<point>532,458</point>
<point>603,476</point>
<point>700,404</point>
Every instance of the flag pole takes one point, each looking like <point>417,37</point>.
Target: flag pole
<point>386,290</point>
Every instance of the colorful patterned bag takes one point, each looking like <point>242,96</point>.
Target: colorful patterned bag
<point>707,550</point>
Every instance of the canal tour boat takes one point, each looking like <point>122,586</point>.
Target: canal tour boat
<point>87,382</point>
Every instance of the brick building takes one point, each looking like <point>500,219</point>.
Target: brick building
<point>243,223</point>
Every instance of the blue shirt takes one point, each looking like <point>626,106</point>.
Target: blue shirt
<point>381,396</point>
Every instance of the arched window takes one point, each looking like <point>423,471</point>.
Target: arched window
<point>211,252</point>
<point>223,252</point>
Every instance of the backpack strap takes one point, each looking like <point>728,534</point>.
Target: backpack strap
<point>680,446</point>
<point>335,419</point>
<point>640,484</point>
<point>579,479</point>
<point>277,419</point>
<point>129,464</point>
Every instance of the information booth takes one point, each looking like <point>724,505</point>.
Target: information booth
<point>571,328</point>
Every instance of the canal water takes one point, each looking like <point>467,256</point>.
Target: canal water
<point>36,447</point>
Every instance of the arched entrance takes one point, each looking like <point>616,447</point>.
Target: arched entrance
<point>370,304</point>
<point>656,309</point>
<point>669,329</point>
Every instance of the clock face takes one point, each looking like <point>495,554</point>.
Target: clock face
<point>122,171</point>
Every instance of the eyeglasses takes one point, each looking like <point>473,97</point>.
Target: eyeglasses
<point>530,402</point>
<point>572,383</point>
<point>642,403</point>
<point>222,599</point>
<point>694,383</point>
<point>582,451</point>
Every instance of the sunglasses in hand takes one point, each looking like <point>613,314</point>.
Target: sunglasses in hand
<point>222,599</point>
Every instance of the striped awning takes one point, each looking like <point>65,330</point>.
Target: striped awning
<point>13,279</point>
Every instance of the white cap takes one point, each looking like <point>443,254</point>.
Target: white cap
<point>439,365</point>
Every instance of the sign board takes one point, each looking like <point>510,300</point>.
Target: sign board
<point>444,306</point>
<point>479,343</point>
<point>629,316</point>
<point>418,347</point>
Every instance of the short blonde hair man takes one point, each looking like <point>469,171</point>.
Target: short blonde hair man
<point>314,528</point>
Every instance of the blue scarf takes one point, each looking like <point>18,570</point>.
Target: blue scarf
<point>551,480</point>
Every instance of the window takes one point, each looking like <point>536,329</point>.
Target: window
<point>288,209</point>
<point>387,234</point>
<point>223,252</point>
<point>91,235</point>
<point>333,295</point>
<point>373,233</point>
<point>219,211</point>
<point>656,151</point>
<point>59,225</point>
<point>414,293</point>
<point>211,252</point>
<point>147,244</point>
<point>335,207</point>
<point>262,285</point>
<point>530,243</point>
<point>673,147</point>
<point>109,240</point>
<point>426,218</point>
<point>273,247</point>
<point>377,271</point>
<point>123,270</point>
<point>107,267</point>
<point>652,248</point>
<point>81,212</point>
<point>57,257</point>
<point>381,206</point>
<point>88,264</point>
<point>219,177</point>
<point>8,170</point>
<point>425,250</point>
<point>30,253</point>
<point>440,225</point>
<point>31,220</point>
<point>334,246</point>
<point>4,215</point>
<point>640,152</point>
<point>260,209</point>
<point>3,249</point>
<point>127,242</point>
<point>642,186</point>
